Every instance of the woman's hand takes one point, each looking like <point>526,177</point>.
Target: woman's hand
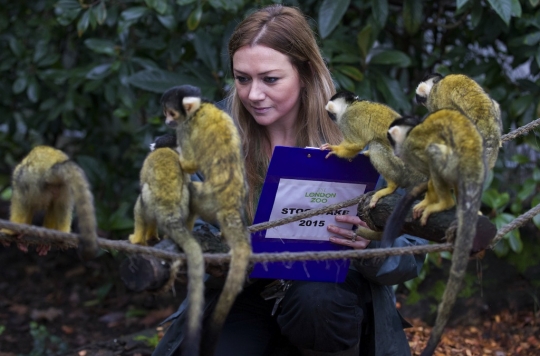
<point>348,237</point>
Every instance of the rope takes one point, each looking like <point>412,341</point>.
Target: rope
<point>41,235</point>
<point>514,224</point>
<point>521,130</point>
<point>305,214</point>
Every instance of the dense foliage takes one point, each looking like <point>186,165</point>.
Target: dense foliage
<point>86,76</point>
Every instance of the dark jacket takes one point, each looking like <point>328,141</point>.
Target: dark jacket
<point>387,323</point>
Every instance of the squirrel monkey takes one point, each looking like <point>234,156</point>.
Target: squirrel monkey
<point>446,146</point>
<point>164,204</point>
<point>47,180</point>
<point>366,123</point>
<point>209,142</point>
<point>458,91</point>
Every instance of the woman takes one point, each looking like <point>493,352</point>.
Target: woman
<point>281,86</point>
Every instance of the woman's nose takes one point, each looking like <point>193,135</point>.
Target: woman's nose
<point>256,92</point>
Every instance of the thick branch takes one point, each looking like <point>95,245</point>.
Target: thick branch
<point>435,229</point>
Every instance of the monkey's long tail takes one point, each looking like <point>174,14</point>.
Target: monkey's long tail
<point>395,222</point>
<point>195,293</point>
<point>237,236</point>
<point>76,180</point>
<point>468,205</point>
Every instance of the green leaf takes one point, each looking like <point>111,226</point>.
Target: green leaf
<point>514,240</point>
<point>40,51</point>
<point>519,105</point>
<point>537,56</point>
<point>534,202</point>
<point>516,8</point>
<point>534,3</point>
<point>168,21</point>
<point>19,85</point>
<point>532,39</point>
<point>345,58</point>
<point>460,4</point>
<point>206,50</point>
<point>145,63</point>
<point>227,5</point>
<point>527,189</point>
<point>194,18</point>
<point>391,57</point>
<point>503,8</point>
<point>520,158</point>
<point>185,2</point>
<point>133,13</point>
<point>493,199</point>
<point>393,93</point>
<point>32,91</point>
<point>99,72</point>
<point>68,5</point>
<point>158,81</point>
<point>536,174</point>
<point>412,15</point>
<point>161,7</point>
<point>343,82</point>
<point>330,15</point>
<point>476,14</point>
<point>501,249</point>
<point>48,104</point>
<point>101,46</point>
<point>100,12</point>
<point>121,112</point>
<point>16,46</point>
<point>365,40</point>
<point>380,12</point>
<point>83,23</point>
<point>150,3</point>
<point>351,72</point>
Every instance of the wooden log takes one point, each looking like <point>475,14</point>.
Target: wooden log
<point>440,227</point>
<point>147,273</point>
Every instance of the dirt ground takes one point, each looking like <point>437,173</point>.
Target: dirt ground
<point>55,305</point>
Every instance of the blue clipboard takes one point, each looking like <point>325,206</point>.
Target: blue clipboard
<point>307,164</point>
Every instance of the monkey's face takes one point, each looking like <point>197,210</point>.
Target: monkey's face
<point>174,105</point>
<point>172,117</point>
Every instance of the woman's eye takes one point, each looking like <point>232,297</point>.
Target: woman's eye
<point>241,79</point>
<point>270,80</point>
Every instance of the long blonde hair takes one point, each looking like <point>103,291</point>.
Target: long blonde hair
<point>286,30</point>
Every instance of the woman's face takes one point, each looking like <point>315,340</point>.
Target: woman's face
<point>267,84</point>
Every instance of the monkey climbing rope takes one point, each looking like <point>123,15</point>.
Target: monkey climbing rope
<point>41,236</point>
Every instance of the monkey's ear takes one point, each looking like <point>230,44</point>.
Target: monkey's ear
<point>424,88</point>
<point>331,107</point>
<point>396,135</point>
<point>191,104</point>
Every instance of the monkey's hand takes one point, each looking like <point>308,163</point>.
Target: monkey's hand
<point>419,208</point>
<point>42,249</point>
<point>326,147</point>
<point>23,246</point>
<point>344,149</point>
